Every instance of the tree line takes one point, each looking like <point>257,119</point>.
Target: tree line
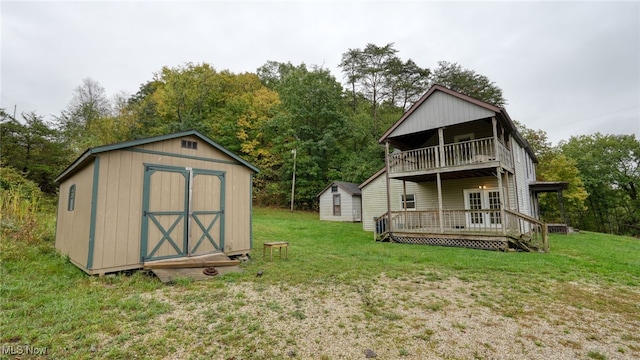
<point>333,125</point>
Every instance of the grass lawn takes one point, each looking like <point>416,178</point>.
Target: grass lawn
<point>338,294</point>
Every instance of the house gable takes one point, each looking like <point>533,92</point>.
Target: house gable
<point>440,109</point>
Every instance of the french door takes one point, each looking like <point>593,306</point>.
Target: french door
<point>485,208</point>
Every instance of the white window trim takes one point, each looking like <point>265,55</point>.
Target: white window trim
<point>415,202</point>
<point>484,192</point>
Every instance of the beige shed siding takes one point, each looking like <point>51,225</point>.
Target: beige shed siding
<point>441,110</point>
<point>346,206</point>
<point>72,230</point>
<point>119,207</point>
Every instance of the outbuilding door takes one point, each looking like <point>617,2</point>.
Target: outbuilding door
<point>183,212</point>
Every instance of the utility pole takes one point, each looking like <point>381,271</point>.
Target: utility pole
<point>293,183</point>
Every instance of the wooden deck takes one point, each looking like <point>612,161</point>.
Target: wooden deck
<point>478,229</point>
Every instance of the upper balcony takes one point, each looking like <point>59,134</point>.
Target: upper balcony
<point>454,157</point>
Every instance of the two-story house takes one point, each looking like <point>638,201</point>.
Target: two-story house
<point>457,173</point>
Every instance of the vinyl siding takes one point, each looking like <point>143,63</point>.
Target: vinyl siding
<point>523,178</point>
<point>374,195</point>
<point>441,110</point>
<point>349,206</point>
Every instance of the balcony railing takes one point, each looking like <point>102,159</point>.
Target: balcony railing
<point>457,154</point>
<point>519,227</point>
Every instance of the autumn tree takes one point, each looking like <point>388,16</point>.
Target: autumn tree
<point>235,110</point>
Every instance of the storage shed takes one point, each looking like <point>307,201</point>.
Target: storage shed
<point>340,201</point>
<point>169,196</point>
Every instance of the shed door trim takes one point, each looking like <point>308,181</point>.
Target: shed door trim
<point>205,219</point>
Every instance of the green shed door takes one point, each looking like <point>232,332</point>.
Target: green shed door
<point>207,212</point>
<point>183,212</point>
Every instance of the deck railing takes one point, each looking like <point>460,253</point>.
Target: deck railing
<point>519,227</point>
<point>457,154</point>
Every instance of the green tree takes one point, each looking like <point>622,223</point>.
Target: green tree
<point>34,147</point>
<point>310,120</point>
<point>89,104</point>
<point>609,168</point>
<point>553,165</point>
<point>406,82</point>
<point>370,69</point>
<point>468,82</point>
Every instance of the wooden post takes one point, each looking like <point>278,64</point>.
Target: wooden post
<point>494,122</point>
<point>561,200</point>
<point>441,148</point>
<point>506,196</point>
<point>404,193</point>
<point>502,213</point>
<point>386,160</point>
<point>293,182</point>
<point>440,213</point>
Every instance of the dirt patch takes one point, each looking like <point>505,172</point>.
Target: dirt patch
<point>412,318</point>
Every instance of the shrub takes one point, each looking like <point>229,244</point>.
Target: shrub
<point>21,215</point>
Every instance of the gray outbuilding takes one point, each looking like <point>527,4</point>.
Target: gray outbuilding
<point>341,201</point>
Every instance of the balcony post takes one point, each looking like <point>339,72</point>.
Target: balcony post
<point>441,148</point>
<point>440,214</point>
<point>386,160</point>
<point>494,122</point>
<point>502,213</point>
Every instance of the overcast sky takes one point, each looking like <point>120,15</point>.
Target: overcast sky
<point>568,68</point>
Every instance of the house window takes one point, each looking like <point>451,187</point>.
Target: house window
<point>334,188</point>
<point>72,198</point>
<point>187,144</point>
<point>409,203</point>
<point>336,205</point>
